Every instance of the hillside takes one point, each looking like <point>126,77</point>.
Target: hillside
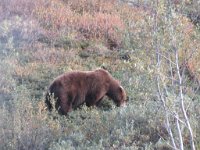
<point>151,47</point>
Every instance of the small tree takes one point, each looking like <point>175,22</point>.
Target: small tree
<point>170,75</point>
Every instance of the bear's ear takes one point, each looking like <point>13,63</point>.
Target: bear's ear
<point>121,89</point>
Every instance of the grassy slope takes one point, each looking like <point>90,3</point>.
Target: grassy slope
<point>42,40</point>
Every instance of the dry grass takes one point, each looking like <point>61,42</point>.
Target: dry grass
<point>83,18</point>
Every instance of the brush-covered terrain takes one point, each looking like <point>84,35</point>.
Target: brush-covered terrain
<point>135,41</point>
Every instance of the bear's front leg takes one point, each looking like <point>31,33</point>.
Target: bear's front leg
<point>93,100</point>
<point>98,102</point>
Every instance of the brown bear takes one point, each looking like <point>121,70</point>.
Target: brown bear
<point>74,88</point>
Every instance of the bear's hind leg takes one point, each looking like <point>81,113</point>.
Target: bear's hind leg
<point>65,105</point>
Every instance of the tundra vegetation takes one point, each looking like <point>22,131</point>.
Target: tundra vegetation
<point>152,47</point>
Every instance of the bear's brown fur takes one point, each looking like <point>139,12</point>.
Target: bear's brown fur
<point>74,88</point>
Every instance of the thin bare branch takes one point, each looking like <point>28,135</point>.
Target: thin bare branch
<point>182,102</point>
<point>179,133</point>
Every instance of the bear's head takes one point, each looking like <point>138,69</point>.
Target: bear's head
<point>121,97</point>
<point>118,95</point>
